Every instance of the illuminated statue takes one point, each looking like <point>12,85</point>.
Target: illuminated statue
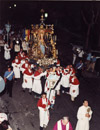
<point>42,44</point>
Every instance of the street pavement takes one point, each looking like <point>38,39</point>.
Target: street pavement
<point>22,107</point>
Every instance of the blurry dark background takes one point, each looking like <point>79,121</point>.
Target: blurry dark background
<point>71,21</point>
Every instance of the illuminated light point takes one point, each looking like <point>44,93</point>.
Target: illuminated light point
<point>46,15</point>
<point>9,7</point>
<point>14,5</point>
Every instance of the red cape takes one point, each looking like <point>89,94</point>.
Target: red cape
<point>39,104</point>
<point>27,72</point>
<point>15,62</point>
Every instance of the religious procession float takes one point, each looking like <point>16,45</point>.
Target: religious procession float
<point>42,43</point>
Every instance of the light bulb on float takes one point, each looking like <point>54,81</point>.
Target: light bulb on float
<point>46,15</point>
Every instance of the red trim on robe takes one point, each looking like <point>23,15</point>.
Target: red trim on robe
<point>16,62</point>
<point>58,73</point>
<point>39,104</point>
<point>23,66</point>
<point>47,74</point>
<point>73,71</point>
<point>74,80</point>
<point>27,72</point>
<point>23,58</point>
<point>58,62</point>
<point>19,53</point>
<point>65,73</point>
<point>37,73</point>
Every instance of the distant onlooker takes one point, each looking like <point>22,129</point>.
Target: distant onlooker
<point>80,54</point>
<point>88,59</point>
<point>7,49</point>
<point>92,64</point>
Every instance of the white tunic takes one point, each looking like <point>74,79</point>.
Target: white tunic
<point>37,86</point>
<point>44,115</point>
<point>51,82</point>
<point>83,121</point>
<point>7,55</point>
<point>17,48</point>
<point>16,69</point>
<point>25,46</point>
<point>65,80</point>
<point>50,93</point>
<point>72,88</point>
<point>23,68</point>
<point>59,84</point>
<point>27,78</point>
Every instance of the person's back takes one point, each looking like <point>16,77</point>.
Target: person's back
<point>89,56</point>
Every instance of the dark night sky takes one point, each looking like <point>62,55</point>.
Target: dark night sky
<point>29,12</point>
<point>63,14</point>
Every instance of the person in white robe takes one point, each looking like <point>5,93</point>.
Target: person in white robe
<point>37,86</point>
<point>16,67</point>
<point>59,74</point>
<point>22,57</point>
<point>65,81</point>
<point>7,50</point>
<point>84,115</point>
<point>27,79</point>
<point>24,66</point>
<point>17,47</point>
<point>25,46</point>
<point>43,106</point>
<point>49,87</point>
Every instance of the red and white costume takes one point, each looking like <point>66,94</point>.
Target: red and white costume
<point>51,92</point>
<point>16,67</point>
<point>72,71</point>
<point>58,72</point>
<point>19,54</point>
<point>74,87</point>
<point>65,78</point>
<point>43,115</point>
<point>24,67</point>
<point>22,58</point>
<point>27,79</point>
<point>58,62</point>
<point>37,86</point>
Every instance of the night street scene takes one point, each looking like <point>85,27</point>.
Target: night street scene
<point>49,65</point>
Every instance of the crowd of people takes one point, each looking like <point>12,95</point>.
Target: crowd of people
<point>57,79</point>
<point>85,60</point>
